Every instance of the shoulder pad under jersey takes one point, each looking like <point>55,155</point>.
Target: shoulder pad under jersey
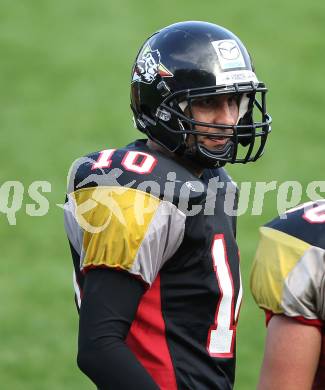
<point>305,222</point>
<point>115,214</point>
<point>138,167</point>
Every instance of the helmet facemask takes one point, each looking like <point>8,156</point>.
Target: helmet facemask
<point>242,134</point>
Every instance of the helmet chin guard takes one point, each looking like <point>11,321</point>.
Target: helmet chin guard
<point>198,60</point>
<point>206,158</point>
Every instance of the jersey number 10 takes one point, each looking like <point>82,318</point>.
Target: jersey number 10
<point>134,161</point>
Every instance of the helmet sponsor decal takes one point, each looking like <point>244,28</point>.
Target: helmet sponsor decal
<point>229,54</point>
<point>148,66</point>
<point>236,76</point>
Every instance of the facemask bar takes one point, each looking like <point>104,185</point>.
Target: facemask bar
<point>266,120</point>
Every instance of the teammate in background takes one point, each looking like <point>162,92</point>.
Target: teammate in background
<point>288,282</point>
<point>156,265</point>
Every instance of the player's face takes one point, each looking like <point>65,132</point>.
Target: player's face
<point>222,109</point>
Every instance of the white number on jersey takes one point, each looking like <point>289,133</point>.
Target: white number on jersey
<point>134,161</point>
<point>222,334</point>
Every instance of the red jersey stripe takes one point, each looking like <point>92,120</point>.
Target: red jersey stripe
<point>147,339</point>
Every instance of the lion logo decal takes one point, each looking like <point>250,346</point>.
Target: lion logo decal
<point>149,66</point>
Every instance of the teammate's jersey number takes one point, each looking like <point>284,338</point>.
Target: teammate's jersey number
<point>315,214</point>
<point>221,335</point>
<point>312,214</point>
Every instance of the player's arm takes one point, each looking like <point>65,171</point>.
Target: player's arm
<point>109,304</point>
<point>291,355</point>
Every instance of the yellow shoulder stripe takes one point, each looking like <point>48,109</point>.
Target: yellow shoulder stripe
<point>276,255</point>
<point>114,221</point>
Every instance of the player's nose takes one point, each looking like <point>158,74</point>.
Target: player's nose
<point>225,114</point>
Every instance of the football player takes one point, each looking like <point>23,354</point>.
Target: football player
<point>156,268</point>
<point>288,282</point>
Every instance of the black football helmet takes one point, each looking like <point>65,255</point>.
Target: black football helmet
<point>195,60</point>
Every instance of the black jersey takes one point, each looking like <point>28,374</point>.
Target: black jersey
<point>136,210</point>
<point>288,275</point>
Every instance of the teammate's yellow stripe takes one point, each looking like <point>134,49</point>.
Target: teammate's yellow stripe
<point>276,256</point>
<point>114,222</point>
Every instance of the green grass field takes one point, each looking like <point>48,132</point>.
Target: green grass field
<point>64,71</point>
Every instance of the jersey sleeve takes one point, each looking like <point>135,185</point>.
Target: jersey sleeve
<point>123,228</point>
<point>288,276</point>
<point>109,305</point>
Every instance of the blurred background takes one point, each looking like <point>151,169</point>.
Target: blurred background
<point>64,92</point>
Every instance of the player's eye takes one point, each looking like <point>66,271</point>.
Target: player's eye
<point>206,102</point>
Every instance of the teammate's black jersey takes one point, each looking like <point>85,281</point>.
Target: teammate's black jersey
<point>288,274</point>
<point>136,210</point>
